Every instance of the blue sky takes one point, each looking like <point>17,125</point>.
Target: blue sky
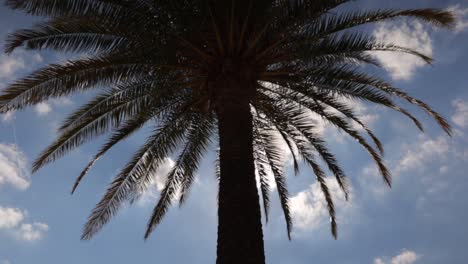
<point>422,219</point>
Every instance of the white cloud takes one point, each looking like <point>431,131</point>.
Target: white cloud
<point>37,58</point>
<point>417,155</point>
<point>10,217</point>
<point>372,181</point>
<point>43,108</point>
<point>157,183</point>
<point>429,160</point>
<point>11,64</point>
<point>161,175</point>
<point>8,116</point>
<point>13,167</point>
<point>412,35</point>
<point>12,220</point>
<point>462,17</point>
<point>405,257</point>
<point>413,157</point>
<point>20,60</point>
<point>378,261</point>
<point>309,208</point>
<point>32,232</point>
<point>425,151</point>
<point>367,116</point>
<point>461,113</point>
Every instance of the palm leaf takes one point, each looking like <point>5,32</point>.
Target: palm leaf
<point>60,80</point>
<point>181,175</point>
<point>83,34</point>
<point>124,131</point>
<point>136,176</point>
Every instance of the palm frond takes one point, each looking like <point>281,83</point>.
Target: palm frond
<point>103,101</point>
<point>307,154</point>
<point>82,34</point>
<point>294,115</point>
<point>59,80</point>
<point>55,8</point>
<point>94,125</point>
<point>296,122</point>
<point>136,176</point>
<point>181,175</point>
<point>350,46</point>
<point>274,159</point>
<point>349,90</point>
<point>262,168</point>
<point>198,140</point>
<point>122,132</point>
<point>362,78</point>
<point>320,104</point>
<point>328,25</point>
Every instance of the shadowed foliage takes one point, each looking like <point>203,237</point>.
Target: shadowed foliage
<point>253,75</point>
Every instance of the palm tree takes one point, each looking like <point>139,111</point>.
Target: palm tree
<point>247,73</point>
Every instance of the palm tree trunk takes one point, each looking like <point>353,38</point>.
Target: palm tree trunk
<point>240,236</point>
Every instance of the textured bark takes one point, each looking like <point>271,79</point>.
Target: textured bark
<point>240,236</point>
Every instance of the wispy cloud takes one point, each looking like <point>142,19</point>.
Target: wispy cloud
<point>13,167</point>
<point>8,116</point>
<point>413,157</point>
<point>405,257</point>
<point>412,35</point>
<point>425,159</point>
<point>462,17</point>
<point>10,65</point>
<point>32,232</point>
<point>460,117</point>
<point>425,151</point>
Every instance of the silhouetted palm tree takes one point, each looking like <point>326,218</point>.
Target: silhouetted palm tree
<point>248,72</point>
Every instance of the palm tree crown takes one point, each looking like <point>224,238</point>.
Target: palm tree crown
<point>172,63</point>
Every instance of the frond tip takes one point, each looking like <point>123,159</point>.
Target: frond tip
<point>437,17</point>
